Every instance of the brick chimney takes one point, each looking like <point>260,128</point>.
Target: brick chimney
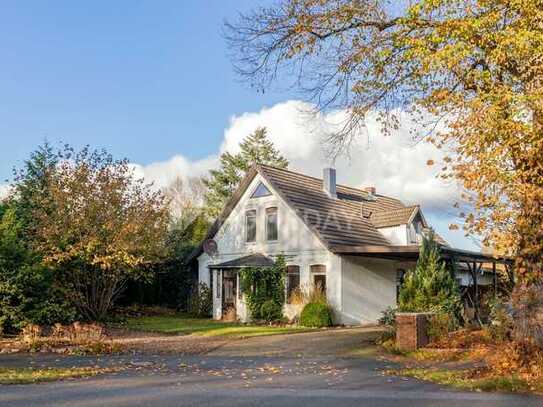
<point>370,190</point>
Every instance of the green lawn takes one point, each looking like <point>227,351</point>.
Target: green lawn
<point>181,324</point>
<point>29,375</point>
<point>465,379</point>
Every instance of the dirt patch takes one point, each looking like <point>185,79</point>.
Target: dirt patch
<point>331,342</point>
<point>147,342</point>
<point>124,341</point>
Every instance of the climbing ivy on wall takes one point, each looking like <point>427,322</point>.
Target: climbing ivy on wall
<point>261,284</point>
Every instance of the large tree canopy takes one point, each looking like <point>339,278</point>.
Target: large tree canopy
<point>98,226</point>
<point>474,65</point>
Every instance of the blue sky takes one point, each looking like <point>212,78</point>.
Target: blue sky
<point>152,81</point>
<point>142,78</point>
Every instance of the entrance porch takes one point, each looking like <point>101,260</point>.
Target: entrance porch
<point>228,302</point>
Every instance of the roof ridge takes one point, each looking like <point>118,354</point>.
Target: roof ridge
<point>321,180</point>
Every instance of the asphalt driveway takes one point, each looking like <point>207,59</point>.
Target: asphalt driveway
<point>317,369</point>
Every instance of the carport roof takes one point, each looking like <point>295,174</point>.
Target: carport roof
<point>411,252</point>
<point>252,260</point>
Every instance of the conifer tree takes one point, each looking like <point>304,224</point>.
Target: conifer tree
<point>222,182</point>
<point>431,286</point>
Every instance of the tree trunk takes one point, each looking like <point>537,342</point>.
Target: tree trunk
<point>527,296</point>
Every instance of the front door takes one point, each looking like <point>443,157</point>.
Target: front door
<point>229,295</point>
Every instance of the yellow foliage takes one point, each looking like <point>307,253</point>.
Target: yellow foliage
<point>471,72</point>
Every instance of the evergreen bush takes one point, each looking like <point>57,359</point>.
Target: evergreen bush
<point>271,311</point>
<point>431,286</point>
<point>316,315</point>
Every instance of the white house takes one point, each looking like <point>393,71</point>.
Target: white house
<point>354,243</point>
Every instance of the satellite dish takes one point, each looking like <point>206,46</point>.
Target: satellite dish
<point>210,247</point>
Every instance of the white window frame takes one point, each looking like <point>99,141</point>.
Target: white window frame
<point>255,216</point>
<point>276,223</point>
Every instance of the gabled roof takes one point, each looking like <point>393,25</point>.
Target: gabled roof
<point>348,220</point>
<point>394,217</point>
<point>335,221</point>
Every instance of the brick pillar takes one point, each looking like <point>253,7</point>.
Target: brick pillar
<point>411,330</point>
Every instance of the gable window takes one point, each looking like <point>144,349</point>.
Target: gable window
<point>318,275</point>
<point>260,191</point>
<point>271,224</point>
<point>293,281</point>
<point>250,226</point>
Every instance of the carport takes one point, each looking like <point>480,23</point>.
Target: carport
<point>473,262</point>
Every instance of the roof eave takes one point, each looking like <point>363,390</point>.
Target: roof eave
<point>412,252</point>
<point>232,202</point>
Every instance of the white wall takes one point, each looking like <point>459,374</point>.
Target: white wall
<point>368,288</point>
<point>294,236</point>
<point>466,280</point>
<point>296,242</point>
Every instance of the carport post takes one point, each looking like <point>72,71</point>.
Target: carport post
<point>495,275</point>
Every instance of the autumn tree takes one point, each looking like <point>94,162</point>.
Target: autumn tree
<point>254,149</point>
<point>471,67</point>
<point>98,227</point>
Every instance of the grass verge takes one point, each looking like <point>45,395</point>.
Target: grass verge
<point>180,324</point>
<point>470,379</point>
<point>29,375</point>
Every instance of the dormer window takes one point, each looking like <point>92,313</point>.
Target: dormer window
<point>250,226</point>
<point>261,191</point>
<point>272,232</point>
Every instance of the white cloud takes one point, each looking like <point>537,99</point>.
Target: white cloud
<point>163,173</point>
<point>4,191</point>
<point>394,164</point>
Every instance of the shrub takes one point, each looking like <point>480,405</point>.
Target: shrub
<point>297,297</point>
<point>389,318</point>
<point>31,333</point>
<point>201,301</point>
<point>501,322</point>
<point>316,315</point>
<point>28,292</point>
<point>307,294</point>
<point>317,295</point>
<point>520,360</point>
<point>439,325</point>
<point>271,311</point>
<point>260,284</point>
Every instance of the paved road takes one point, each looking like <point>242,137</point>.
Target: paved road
<point>306,369</point>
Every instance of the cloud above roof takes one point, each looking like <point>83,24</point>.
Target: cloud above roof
<point>395,164</point>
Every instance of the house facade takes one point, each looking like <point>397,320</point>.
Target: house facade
<point>354,244</point>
